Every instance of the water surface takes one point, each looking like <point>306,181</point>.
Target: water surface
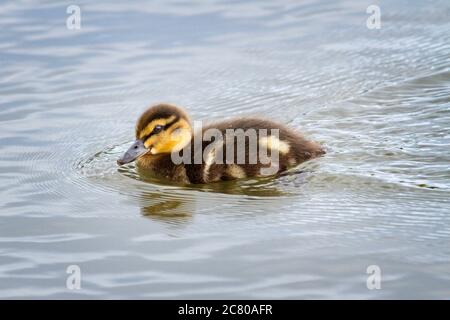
<point>378,100</point>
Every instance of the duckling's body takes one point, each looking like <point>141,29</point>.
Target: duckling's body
<point>228,150</point>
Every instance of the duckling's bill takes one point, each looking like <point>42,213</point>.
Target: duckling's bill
<point>136,150</point>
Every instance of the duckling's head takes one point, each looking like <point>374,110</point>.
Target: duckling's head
<point>162,128</point>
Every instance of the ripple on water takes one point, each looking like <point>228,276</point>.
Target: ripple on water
<point>102,168</point>
<point>379,99</point>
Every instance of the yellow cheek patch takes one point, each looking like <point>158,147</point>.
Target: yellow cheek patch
<point>180,134</point>
<point>176,137</point>
<point>166,147</point>
<point>150,141</point>
<point>274,144</point>
<point>149,128</point>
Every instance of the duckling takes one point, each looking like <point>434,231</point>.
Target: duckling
<point>167,146</point>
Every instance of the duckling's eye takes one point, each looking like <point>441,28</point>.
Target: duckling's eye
<point>157,129</point>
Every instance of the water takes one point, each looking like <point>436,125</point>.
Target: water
<point>378,100</point>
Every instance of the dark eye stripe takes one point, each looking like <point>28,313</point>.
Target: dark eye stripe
<point>167,125</point>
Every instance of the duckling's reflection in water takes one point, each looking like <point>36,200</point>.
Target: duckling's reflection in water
<point>174,210</point>
<point>249,188</point>
<point>176,204</point>
<point>260,186</point>
<point>178,208</point>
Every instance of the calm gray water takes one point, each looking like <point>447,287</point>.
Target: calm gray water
<point>379,100</point>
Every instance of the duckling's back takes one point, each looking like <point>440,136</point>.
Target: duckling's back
<point>246,147</point>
